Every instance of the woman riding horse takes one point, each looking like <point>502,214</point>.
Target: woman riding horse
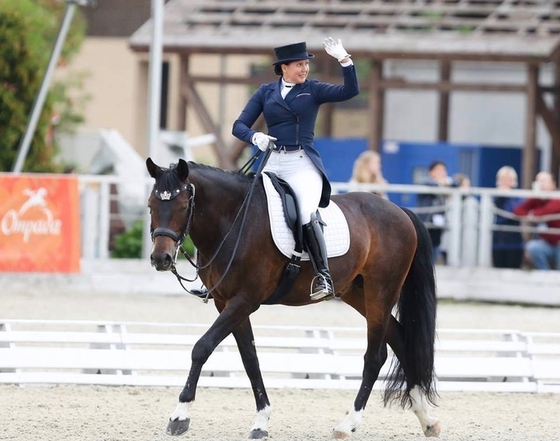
<point>290,106</point>
<point>387,269</point>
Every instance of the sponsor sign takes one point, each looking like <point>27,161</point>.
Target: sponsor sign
<point>39,224</point>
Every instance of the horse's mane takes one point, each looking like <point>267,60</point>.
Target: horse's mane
<point>170,180</point>
<point>216,172</point>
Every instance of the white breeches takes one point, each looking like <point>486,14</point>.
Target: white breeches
<point>297,170</point>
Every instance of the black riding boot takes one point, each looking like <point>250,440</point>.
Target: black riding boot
<point>315,242</point>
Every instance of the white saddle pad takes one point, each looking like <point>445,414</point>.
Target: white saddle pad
<point>337,233</point>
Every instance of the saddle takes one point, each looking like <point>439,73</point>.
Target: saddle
<point>282,212</point>
<point>287,233</point>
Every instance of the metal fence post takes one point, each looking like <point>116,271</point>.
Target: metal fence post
<point>470,231</point>
<point>104,219</point>
<point>454,222</point>
<point>90,220</point>
<point>485,231</point>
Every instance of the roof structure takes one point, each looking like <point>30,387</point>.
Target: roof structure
<point>492,30</point>
<point>521,31</point>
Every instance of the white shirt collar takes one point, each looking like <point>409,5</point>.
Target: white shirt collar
<point>286,84</point>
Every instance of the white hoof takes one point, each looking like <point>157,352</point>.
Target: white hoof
<point>350,424</point>
<point>337,434</point>
<point>433,429</point>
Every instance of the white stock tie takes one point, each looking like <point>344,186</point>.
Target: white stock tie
<point>286,88</point>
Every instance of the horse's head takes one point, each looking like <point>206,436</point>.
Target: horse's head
<point>171,208</point>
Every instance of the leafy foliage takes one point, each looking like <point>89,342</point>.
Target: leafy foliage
<point>128,245</point>
<point>28,31</point>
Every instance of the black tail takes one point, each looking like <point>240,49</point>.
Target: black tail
<point>417,316</point>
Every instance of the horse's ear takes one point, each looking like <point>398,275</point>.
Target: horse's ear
<point>182,169</point>
<point>153,169</point>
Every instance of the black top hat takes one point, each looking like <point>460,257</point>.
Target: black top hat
<point>291,52</point>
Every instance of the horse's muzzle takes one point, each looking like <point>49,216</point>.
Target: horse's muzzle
<point>162,262</point>
<point>164,252</point>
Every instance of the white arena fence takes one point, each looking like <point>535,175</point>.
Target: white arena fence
<point>157,354</point>
<point>469,215</point>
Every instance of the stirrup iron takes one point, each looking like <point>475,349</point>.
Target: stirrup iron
<point>323,289</point>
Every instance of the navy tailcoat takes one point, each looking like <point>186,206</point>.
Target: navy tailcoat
<point>292,120</point>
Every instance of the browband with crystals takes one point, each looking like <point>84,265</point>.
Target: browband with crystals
<point>169,195</point>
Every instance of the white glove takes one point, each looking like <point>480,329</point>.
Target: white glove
<point>261,140</point>
<point>335,49</point>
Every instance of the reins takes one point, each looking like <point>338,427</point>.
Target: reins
<point>243,208</point>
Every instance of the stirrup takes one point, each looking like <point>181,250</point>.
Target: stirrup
<point>201,293</point>
<point>323,289</point>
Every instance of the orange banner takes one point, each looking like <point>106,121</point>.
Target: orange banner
<point>39,224</point>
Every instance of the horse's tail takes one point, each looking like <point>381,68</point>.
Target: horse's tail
<point>417,316</point>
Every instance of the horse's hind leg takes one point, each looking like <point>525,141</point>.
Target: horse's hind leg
<point>246,344</point>
<point>431,426</point>
<point>374,358</point>
<point>354,418</point>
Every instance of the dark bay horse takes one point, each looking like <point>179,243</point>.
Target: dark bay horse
<point>388,264</point>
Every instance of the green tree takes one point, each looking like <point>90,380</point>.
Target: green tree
<point>28,31</point>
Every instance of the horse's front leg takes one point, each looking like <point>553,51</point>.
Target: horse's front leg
<point>246,343</point>
<point>235,312</point>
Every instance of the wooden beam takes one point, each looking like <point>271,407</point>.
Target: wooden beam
<point>376,105</point>
<point>192,96</point>
<point>447,86</point>
<point>529,153</point>
<point>551,89</point>
<point>183,77</point>
<point>555,166</point>
<point>551,121</point>
<point>256,80</point>
<point>327,109</point>
<point>388,83</point>
<point>443,122</point>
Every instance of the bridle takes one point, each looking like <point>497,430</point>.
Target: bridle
<point>170,195</point>
<point>178,238</point>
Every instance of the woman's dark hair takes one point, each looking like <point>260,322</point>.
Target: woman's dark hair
<point>278,69</point>
<point>435,163</point>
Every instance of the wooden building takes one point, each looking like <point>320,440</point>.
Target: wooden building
<point>447,31</point>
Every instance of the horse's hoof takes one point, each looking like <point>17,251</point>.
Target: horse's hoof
<point>339,434</point>
<point>433,430</point>
<point>258,434</point>
<point>178,427</point>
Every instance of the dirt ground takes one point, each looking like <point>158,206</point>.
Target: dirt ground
<point>95,413</point>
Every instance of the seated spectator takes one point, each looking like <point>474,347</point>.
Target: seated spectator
<point>507,246</point>
<point>438,177</point>
<point>461,180</point>
<point>543,251</point>
<point>367,170</point>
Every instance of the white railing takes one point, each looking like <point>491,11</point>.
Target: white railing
<point>158,354</point>
<point>469,214</point>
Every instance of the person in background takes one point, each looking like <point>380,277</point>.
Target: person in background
<point>290,106</point>
<point>543,251</point>
<point>367,170</point>
<point>437,177</point>
<point>461,180</point>
<point>507,246</point>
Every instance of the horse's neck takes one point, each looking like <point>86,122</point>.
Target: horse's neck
<point>218,201</point>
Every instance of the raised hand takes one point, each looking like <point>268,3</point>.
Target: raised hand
<point>335,48</point>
